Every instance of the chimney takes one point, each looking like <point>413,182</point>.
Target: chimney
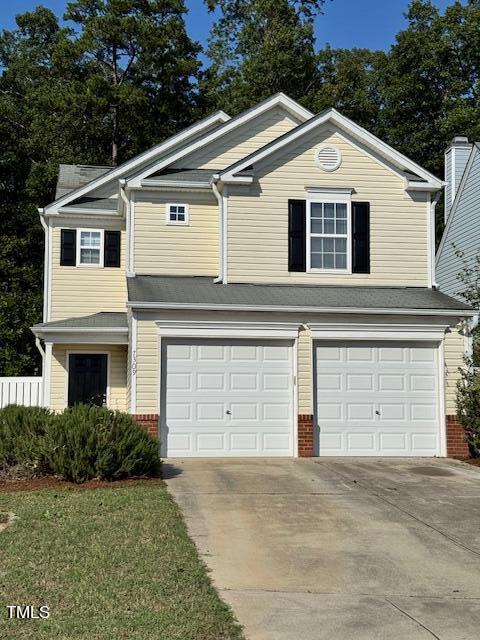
<point>456,158</point>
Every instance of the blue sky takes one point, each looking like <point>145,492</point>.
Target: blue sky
<point>345,24</point>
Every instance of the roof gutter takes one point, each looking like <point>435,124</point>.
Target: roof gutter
<point>359,311</point>
<point>222,234</point>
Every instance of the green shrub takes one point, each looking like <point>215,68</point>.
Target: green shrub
<point>93,442</point>
<point>23,444</point>
<point>468,406</point>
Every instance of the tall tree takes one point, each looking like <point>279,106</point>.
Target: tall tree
<point>141,68</point>
<point>347,80</point>
<point>260,47</point>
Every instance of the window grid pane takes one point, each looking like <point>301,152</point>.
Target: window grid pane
<point>328,230</point>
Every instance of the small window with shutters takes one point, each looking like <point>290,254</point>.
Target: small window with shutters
<point>90,248</point>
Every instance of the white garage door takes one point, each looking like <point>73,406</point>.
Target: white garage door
<point>377,399</point>
<point>227,398</point>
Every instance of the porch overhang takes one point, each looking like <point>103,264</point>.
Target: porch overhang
<point>98,328</point>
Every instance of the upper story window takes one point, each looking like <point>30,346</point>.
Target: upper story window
<point>328,235</point>
<point>177,213</point>
<point>90,247</point>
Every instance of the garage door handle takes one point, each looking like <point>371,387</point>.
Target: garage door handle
<point>228,412</point>
<point>377,412</point>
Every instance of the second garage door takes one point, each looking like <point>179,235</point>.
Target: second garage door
<point>227,398</point>
<point>377,399</point>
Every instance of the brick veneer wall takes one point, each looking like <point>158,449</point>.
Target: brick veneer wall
<point>456,444</point>
<point>305,435</point>
<point>149,421</point>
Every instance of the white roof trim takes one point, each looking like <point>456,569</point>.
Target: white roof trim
<point>360,310</point>
<point>279,99</point>
<point>456,202</point>
<point>219,116</point>
<point>333,116</point>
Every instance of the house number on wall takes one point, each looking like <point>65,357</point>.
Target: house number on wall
<point>134,363</point>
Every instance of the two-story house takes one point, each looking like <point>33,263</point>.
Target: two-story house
<point>256,286</point>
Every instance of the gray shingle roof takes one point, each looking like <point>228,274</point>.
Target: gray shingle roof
<point>103,320</point>
<point>202,290</point>
<point>74,176</point>
<point>184,175</point>
<point>190,175</point>
<point>95,204</point>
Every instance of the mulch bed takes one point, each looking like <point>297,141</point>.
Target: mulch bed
<point>51,482</point>
<point>474,461</point>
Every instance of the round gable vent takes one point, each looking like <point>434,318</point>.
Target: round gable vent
<point>328,158</point>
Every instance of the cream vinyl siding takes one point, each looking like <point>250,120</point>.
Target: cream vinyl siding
<point>304,372</point>
<point>454,354</point>
<point>241,141</point>
<point>148,367</point>
<point>258,217</point>
<point>172,249</point>
<point>80,291</point>
<point>116,376</point>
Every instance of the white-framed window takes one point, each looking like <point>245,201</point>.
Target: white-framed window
<point>89,248</point>
<point>329,234</point>
<point>176,213</point>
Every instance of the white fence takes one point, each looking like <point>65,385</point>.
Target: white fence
<point>24,391</point>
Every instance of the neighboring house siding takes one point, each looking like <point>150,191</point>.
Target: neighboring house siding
<point>453,178</point>
<point>241,141</point>
<point>79,291</point>
<point>258,217</point>
<point>117,374</point>
<point>462,232</point>
<point>160,248</point>
<point>454,353</point>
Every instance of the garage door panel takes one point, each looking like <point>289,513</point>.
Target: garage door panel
<point>227,398</point>
<point>377,398</point>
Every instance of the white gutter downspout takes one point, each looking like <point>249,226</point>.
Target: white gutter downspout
<point>219,197</point>
<point>129,234</point>
<point>472,324</point>
<point>433,204</point>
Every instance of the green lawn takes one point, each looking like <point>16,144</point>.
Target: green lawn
<point>110,563</point>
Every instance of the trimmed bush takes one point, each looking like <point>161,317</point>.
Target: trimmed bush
<point>23,442</point>
<point>468,406</point>
<point>88,442</point>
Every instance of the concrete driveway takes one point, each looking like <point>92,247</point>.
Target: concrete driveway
<point>336,549</point>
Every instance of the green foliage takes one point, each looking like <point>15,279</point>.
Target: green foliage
<point>468,406</point>
<point>93,442</point>
<point>23,440</point>
<point>82,443</point>
<point>260,47</point>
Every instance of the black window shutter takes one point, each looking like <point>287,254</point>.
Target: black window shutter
<point>297,223</point>
<point>112,249</point>
<point>68,248</point>
<point>360,237</point>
